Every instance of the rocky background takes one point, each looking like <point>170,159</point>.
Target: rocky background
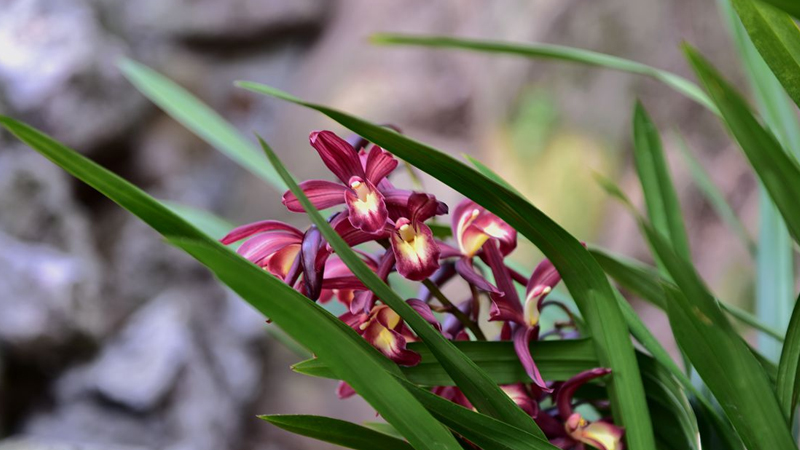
<point>111,339</point>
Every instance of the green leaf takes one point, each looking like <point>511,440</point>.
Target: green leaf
<point>557,52</point>
<point>776,169</point>
<point>481,429</point>
<point>491,174</point>
<point>663,208</point>
<point>677,425</point>
<point>714,196</point>
<point>648,284</point>
<point>777,38</point>
<point>200,118</point>
<point>774,260</point>
<point>210,224</point>
<point>790,6</point>
<point>788,383</point>
<point>720,356</point>
<point>335,431</point>
<point>476,385</point>
<point>557,360</point>
<point>586,281</point>
<point>348,355</point>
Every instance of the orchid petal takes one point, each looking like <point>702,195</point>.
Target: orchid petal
<point>245,231</point>
<point>501,310</point>
<point>364,300</point>
<point>421,207</point>
<point>447,250</point>
<point>263,245</point>
<point>380,164</point>
<point>567,390</point>
<point>344,390</point>
<point>366,208</point>
<point>380,333</point>
<point>522,339</point>
<point>339,156</point>
<point>467,272</point>
<point>473,225</point>
<point>415,250</point>
<point>544,276</point>
<point>280,263</point>
<point>509,303</point>
<point>497,229</point>
<point>352,235</point>
<point>424,310</point>
<point>522,398</point>
<point>453,394</point>
<point>312,266</point>
<point>600,435</point>
<point>322,194</point>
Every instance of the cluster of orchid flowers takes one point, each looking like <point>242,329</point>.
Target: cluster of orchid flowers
<point>377,211</point>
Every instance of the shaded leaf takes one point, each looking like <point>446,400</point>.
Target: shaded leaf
<point>335,431</point>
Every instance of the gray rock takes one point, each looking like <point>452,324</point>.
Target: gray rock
<point>50,281</point>
<point>213,21</point>
<point>57,71</point>
<point>180,374</point>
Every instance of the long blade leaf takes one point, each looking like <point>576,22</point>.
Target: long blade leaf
<point>335,431</point>
<point>788,383</point>
<point>201,119</point>
<point>584,278</point>
<point>777,39</point>
<point>661,200</point>
<point>557,52</point>
<point>557,360</point>
<point>720,356</point>
<point>349,356</point>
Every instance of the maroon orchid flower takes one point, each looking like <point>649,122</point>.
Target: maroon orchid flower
<point>386,331</point>
<point>599,434</point>
<point>365,203</point>
<point>415,250</point>
<point>523,320</point>
<point>473,226</point>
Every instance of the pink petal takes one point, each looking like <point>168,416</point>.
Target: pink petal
<point>501,310</point>
<point>322,194</point>
<point>339,156</point>
<point>263,245</point>
<point>350,282</point>
<point>502,277</point>
<point>352,235</point>
<point>421,207</point>
<point>380,164</point>
<point>415,250</point>
<point>344,390</point>
<point>389,342</point>
<point>364,300</point>
<point>522,339</point>
<point>245,231</point>
<point>365,206</point>
<point>521,397</point>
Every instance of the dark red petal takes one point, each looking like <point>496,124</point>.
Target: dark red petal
<point>544,275</point>
<point>522,339</point>
<point>567,390</point>
<point>421,207</point>
<point>467,272</point>
<point>380,163</point>
<point>417,256</point>
<point>424,310</point>
<point>245,231</point>
<point>365,206</point>
<point>503,279</point>
<point>312,266</point>
<point>339,156</point>
<point>322,194</point>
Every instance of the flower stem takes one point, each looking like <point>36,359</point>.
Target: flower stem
<point>452,309</point>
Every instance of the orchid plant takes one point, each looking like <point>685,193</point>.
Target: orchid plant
<point>376,211</point>
<point>469,362</point>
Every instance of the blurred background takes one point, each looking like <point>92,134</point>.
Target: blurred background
<point>111,339</point>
